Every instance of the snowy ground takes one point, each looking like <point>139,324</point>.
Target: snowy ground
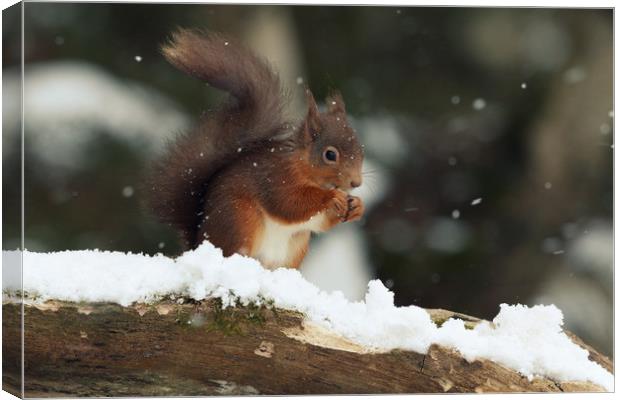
<point>63,103</point>
<point>529,340</point>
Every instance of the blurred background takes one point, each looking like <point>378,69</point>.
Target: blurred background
<point>488,134</point>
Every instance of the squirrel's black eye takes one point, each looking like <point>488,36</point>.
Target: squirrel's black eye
<point>330,155</point>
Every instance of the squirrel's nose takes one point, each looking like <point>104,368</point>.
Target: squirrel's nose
<point>356,183</point>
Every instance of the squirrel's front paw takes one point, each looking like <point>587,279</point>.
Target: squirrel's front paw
<point>339,204</point>
<point>355,208</point>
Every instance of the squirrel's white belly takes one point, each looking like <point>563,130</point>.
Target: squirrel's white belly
<point>281,243</point>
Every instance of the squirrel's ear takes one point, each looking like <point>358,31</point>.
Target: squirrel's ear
<point>335,103</point>
<point>313,121</point>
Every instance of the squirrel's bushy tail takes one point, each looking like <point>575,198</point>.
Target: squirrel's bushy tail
<point>252,114</point>
<point>229,66</point>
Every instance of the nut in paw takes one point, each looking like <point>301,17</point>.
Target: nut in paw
<point>355,208</point>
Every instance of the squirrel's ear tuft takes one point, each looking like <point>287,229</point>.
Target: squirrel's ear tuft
<point>313,121</point>
<point>335,103</point>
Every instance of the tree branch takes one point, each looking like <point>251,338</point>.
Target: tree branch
<point>198,348</point>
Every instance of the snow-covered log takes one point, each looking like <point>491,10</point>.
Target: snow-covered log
<point>103,323</point>
<point>186,347</point>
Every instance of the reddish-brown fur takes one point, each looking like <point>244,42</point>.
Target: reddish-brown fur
<point>245,163</point>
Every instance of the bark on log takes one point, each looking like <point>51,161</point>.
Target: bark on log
<point>197,348</point>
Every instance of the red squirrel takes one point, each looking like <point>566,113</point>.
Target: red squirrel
<point>245,178</point>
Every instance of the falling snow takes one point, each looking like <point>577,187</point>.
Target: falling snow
<point>479,104</point>
<point>128,191</point>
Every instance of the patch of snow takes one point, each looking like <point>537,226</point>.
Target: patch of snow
<point>578,295</point>
<point>67,103</point>
<point>529,340</point>
<point>12,269</point>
